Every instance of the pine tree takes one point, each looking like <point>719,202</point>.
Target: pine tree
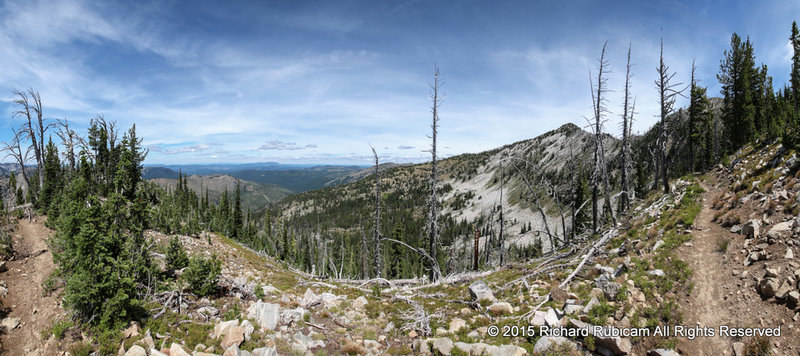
<point>737,77</point>
<point>52,176</point>
<point>12,185</point>
<point>236,219</point>
<point>700,133</point>
<point>791,116</point>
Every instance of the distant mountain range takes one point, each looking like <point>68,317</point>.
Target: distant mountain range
<point>293,177</point>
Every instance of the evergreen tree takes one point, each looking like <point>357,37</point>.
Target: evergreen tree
<point>790,106</point>
<point>236,218</point>
<point>700,130</point>
<point>176,255</point>
<point>12,186</point>
<point>738,76</point>
<point>52,176</point>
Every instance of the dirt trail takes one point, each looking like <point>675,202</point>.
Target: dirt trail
<point>705,306</point>
<point>31,266</point>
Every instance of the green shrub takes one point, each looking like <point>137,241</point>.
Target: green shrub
<point>202,273</point>
<point>176,255</point>
<point>259,291</point>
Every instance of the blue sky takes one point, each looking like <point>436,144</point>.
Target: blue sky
<point>319,81</point>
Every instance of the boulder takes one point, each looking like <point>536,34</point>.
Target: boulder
<point>547,342</point>
<point>330,299</point>
<point>132,331</point>
<point>571,309</point>
<point>136,350</point>
<point>789,254</point>
<point>154,352</point>
<point>552,318</point>
<point>443,346</point>
<point>793,297</point>
<point>662,352</point>
<point>590,305</point>
<point>479,291</point>
<point>508,350</point>
<point>751,229</point>
<point>768,286</point>
<point>232,350</point>
<point>360,302</point>
<point>738,348</point>
<point>538,318</point>
<point>234,336</point>
<point>781,230</point>
<point>611,289</point>
<point>177,350</point>
<point>783,290</point>
<point>771,272</point>
<point>289,316</point>
<point>248,329</point>
<point>617,345</point>
<point>265,351</point>
<point>658,244</point>
<point>309,297</point>
<point>500,308</point>
<point>9,324</point>
<point>266,315</point>
<point>656,273</point>
<point>457,324</point>
<point>559,295</point>
<point>222,327</point>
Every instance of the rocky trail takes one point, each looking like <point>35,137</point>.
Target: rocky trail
<point>26,310</point>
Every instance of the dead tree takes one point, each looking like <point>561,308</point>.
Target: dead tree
<point>501,237</point>
<point>14,149</point>
<point>600,172</point>
<point>364,254</point>
<point>70,139</point>
<point>475,255</point>
<point>624,202</point>
<point>667,94</point>
<point>433,215</point>
<point>35,126</point>
<point>378,256</point>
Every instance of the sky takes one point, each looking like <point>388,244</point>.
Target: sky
<point>320,81</point>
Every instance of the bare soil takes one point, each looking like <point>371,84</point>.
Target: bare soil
<point>722,296</point>
<point>31,265</point>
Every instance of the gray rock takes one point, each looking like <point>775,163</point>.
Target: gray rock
<point>464,347</point>
<point>222,327</point>
<point>590,305</point>
<point>289,316</point>
<point>552,318</point>
<point>662,352</point>
<point>266,315</point>
<point>500,308</point>
<point>508,350</point>
<point>443,346</point>
<point>571,309</point>
<point>783,290</point>
<point>360,302</point>
<point>9,323</point>
<point>657,273</point>
<point>479,291</point>
<point>539,318</point>
<point>771,272</point>
<point>547,342</point>
<point>136,350</point>
<point>738,348</point>
<point>780,230</point>
<point>768,287</point>
<point>309,297</point>
<point>793,297</point>
<point>789,254</point>
<point>265,351</point>
<point>177,350</point>
<point>611,289</point>
<point>154,352</point>
<point>658,244</point>
<point>617,345</point>
<point>736,229</point>
<point>307,341</point>
<point>751,229</point>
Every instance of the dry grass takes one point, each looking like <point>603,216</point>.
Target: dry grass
<point>352,348</point>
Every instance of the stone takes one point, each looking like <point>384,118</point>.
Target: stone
<point>266,315</point>
<point>735,229</point>
<point>611,289</point>
<point>360,302</point>
<point>289,316</point>
<point>177,350</point>
<point>604,270</point>
<point>479,291</point>
<point>789,254</point>
<point>546,342</point>
<point>265,351</point>
<point>136,350</point>
<point>500,308</point>
<point>509,350</point>
<point>330,299</point>
<point>232,350</point>
<point>662,352</point>
<point>751,229</point>
<point>590,305</point>
<point>771,272</point>
<point>617,345</point>
<point>131,331</point>
<point>221,328</point>
<point>443,346</point>
<point>559,295</point>
<point>780,230</point>
<point>307,341</point>
<point>783,290</point>
<point>234,336</point>
<point>551,318</point>
<point>464,347</point>
<point>793,297</point>
<point>658,244</point>
<point>768,286</point>
<point>571,309</point>
<point>249,328</point>
<point>309,297</point>
<point>538,318</point>
<point>9,323</point>
<point>657,273</point>
<point>457,324</point>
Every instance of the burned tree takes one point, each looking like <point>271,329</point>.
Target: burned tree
<point>600,173</point>
<point>667,93</point>
<point>377,240</point>
<point>34,127</point>
<point>627,116</point>
<point>433,215</point>
<point>13,148</point>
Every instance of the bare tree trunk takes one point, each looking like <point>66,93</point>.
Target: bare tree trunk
<point>502,221</point>
<point>378,256</point>
<point>68,139</point>
<point>625,196</point>
<point>667,93</point>
<point>475,255</point>
<point>14,149</point>
<point>599,154</point>
<point>433,228</point>
<point>364,254</point>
